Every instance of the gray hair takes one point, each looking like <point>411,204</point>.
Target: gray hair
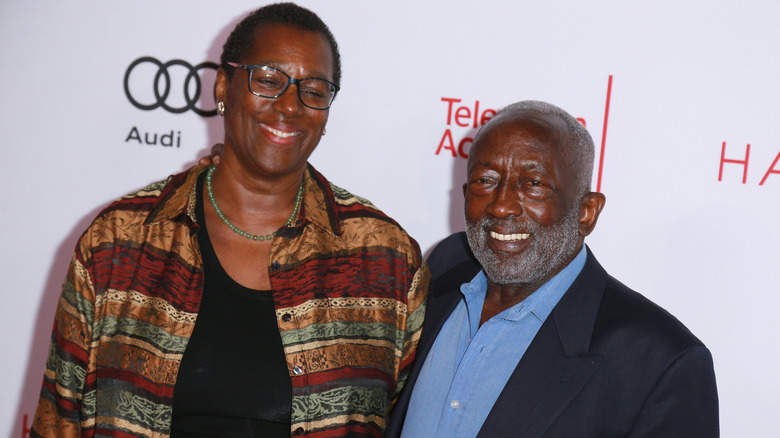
<point>582,148</point>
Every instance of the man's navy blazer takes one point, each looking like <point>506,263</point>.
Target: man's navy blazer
<point>607,362</point>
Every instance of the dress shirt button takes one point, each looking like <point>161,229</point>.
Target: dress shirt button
<point>286,317</point>
<point>299,431</point>
<point>275,266</point>
<point>297,369</point>
<point>455,404</point>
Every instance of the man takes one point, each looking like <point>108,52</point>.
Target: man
<point>533,338</point>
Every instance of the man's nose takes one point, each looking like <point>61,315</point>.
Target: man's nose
<point>505,202</point>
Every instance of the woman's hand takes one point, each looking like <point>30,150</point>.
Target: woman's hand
<point>216,155</point>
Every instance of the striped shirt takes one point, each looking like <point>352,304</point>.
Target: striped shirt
<point>349,291</point>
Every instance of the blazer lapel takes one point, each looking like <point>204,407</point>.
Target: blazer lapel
<point>556,365</point>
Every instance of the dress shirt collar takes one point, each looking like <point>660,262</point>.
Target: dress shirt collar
<point>540,303</point>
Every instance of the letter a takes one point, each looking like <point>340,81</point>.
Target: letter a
<point>771,170</point>
<point>450,146</point>
<point>134,135</point>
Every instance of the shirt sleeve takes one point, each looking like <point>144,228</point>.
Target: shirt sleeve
<point>61,408</point>
<point>416,297</point>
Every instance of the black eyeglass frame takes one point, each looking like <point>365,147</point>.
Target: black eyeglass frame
<point>290,80</point>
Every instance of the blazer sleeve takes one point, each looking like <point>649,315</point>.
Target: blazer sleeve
<point>684,401</point>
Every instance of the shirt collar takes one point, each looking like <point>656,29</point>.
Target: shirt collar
<point>319,201</point>
<point>540,303</point>
<point>175,196</point>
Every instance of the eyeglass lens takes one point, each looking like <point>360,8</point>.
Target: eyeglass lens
<point>268,82</point>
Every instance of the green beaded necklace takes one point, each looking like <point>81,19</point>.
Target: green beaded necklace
<point>221,215</point>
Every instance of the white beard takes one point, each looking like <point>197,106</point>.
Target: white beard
<point>550,249</point>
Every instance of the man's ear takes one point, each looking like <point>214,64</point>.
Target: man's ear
<point>590,209</point>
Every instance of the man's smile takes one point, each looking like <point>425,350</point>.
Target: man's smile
<point>509,237</point>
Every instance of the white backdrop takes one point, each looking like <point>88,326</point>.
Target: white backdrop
<point>687,77</point>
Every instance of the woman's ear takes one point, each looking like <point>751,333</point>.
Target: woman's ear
<point>220,88</point>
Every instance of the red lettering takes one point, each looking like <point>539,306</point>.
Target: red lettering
<point>723,160</point>
<point>766,175</point>
<point>462,143</point>
<point>604,135</point>
<point>487,115</point>
<point>462,113</point>
<point>449,108</point>
<point>25,430</point>
<point>463,117</point>
<point>581,120</point>
<point>450,147</point>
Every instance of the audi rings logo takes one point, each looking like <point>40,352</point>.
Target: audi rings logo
<point>148,89</point>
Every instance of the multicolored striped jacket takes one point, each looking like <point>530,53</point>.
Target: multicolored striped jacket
<point>349,290</point>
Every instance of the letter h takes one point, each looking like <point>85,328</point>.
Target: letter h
<point>724,160</point>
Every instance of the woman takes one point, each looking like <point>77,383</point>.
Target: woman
<point>250,299</point>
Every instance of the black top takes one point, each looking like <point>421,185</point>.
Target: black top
<point>233,379</point>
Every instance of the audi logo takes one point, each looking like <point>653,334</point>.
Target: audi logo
<point>161,83</point>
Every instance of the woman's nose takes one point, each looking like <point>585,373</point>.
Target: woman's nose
<point>289,102</point>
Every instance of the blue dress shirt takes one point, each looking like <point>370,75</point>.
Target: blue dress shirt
<point>468,365</point>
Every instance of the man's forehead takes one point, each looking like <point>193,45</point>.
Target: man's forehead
<point>526,128</point>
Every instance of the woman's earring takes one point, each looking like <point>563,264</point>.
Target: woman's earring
<point>323,131</point>
<point>221,108</point>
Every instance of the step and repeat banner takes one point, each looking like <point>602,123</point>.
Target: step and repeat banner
<point>101,98</point>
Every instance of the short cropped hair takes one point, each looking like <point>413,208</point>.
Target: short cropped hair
<point>240,39</point>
